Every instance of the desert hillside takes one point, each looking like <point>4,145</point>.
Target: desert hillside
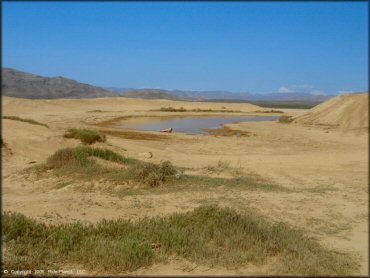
<point>349,111</point>
<point>26,85</point>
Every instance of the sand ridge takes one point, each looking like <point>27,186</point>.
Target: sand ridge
<point>348,111</point>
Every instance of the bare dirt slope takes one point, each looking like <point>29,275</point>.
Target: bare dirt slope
<point>349,111</point>
<point>327,168</point>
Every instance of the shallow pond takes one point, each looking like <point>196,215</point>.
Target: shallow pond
<point>191,124</point>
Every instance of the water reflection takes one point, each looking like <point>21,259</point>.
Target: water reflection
<point>192,125</point>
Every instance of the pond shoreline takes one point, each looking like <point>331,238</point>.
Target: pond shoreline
<point>190,124</point>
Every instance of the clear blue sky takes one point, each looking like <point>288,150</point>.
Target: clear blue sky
<point>241,46</point>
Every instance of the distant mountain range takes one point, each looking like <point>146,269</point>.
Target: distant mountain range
<point>26,85</point>
<point>216,95</point>
<point>148,94</point>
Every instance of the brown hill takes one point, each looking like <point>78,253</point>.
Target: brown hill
<point>26,85</point>
<point>349,111</point>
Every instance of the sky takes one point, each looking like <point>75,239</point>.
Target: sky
<point>319,48</point>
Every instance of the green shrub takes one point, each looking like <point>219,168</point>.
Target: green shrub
<point>79,157</point>
<point>207,235</point>
<point>86,136</point>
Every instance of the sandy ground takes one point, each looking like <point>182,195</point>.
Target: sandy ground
<point>327,166</point>
<point>346,111</point>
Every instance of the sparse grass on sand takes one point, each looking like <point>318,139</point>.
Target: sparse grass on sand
<point>269,111</point>
<point>30,121</point>
<point>86,136</point>
<point>226,131</point>
<point>95,111</point>
<point>285,119</point>
<point>172,109</point>
<point>223,166</point>
<point>134,135</point>
<point>182,109</point>
<point>208,235</point>
<point>77,163</point>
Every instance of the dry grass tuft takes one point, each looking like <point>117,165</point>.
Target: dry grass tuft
<point>86,136</point>
<point>286,119</point>
<point>220,167</point>
<point>154,175</point>
<point>223,166</point>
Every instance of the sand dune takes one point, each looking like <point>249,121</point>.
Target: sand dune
<point>349,111</point>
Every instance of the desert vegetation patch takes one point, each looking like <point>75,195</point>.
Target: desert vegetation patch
<point>86,136</point>
<point>208,235</point>
<point>182,109</point>
<point>286,119</point>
